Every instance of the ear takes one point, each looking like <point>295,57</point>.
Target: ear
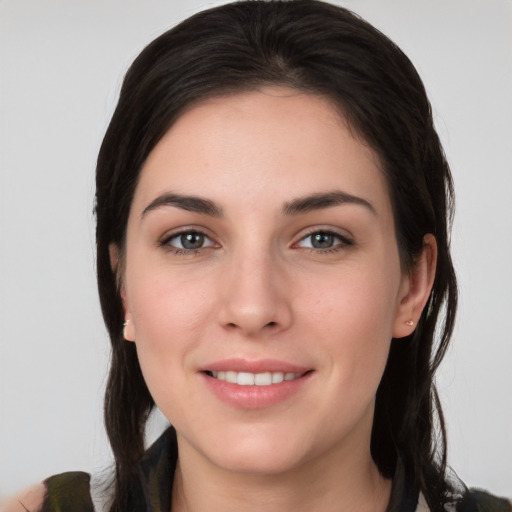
<point>415,289</point>
<point>116,263</point>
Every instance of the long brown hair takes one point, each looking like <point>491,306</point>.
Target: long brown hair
<point>321,49</point>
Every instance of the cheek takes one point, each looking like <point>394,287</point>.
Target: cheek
<point>360,301</point>
<point>353,323</point>
<point>169,315</point>
<point>167,323</point>
<point>163,304</point>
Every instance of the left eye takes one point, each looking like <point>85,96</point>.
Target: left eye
<point>323,240</point>
<point>189,240</point>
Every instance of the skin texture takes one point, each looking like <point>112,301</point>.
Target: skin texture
<point>258,288</point>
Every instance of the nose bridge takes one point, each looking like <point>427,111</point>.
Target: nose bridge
<point>255,295</point>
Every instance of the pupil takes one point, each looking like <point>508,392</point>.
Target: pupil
<point>322,240</point>
<point>192,240</point>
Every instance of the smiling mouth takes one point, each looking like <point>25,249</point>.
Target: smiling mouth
<point>254,379</point>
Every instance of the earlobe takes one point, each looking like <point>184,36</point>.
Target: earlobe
<point>128,330</point>
<point>416,289</point>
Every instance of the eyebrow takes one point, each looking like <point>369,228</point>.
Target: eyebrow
<point>300,205</point>
<point>185,202</point>
<point>323,200</point>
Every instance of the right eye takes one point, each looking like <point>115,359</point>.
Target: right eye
<point>185,241</point>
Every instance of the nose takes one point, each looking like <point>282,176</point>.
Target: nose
<point>255,297</point>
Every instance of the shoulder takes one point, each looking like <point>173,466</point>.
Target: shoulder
<point>66,492</point>
<point>482,501</point>
<point>30,499</point>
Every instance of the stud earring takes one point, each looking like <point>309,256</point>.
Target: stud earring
<point>125,325</point>
<point>410,323</point>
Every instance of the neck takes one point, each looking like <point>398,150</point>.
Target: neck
<point>341,478</point>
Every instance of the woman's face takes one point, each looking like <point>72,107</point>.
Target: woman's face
<point>262,281</point>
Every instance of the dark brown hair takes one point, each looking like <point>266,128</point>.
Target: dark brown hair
<point>320,49</point>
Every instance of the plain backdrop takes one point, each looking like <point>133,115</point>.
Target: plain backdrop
<point>61,66</point>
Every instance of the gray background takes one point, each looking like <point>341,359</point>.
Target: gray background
<point>61,65</point>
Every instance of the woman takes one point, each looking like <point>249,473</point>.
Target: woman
<point>273,207</point>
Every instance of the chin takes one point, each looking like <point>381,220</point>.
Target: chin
<point>253,451</point>
<point>258,461</point>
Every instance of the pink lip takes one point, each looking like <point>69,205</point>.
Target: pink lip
<point>254,397</point>
<point>257,366</point>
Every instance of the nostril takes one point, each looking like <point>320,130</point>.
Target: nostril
<point>271,324</point>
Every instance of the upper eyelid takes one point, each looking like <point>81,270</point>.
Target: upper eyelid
<point>166,241</point>
<point>342,242</point>
<point>173,233</point>
<point>341,233</point>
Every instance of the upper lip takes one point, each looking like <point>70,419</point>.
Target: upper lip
<point>254,366</point>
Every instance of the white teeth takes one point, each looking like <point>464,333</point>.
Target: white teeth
<point>277,377</point>
<point>245,379</point>
<point>231,377</point>
<point>263,379</point>
<point>255,379</point>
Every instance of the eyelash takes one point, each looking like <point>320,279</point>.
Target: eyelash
<point>178,251</point>
<point>343,242</point>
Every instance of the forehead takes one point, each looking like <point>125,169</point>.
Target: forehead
<point>276,141</point>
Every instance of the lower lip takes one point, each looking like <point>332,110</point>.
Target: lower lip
<point>254,397</point>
